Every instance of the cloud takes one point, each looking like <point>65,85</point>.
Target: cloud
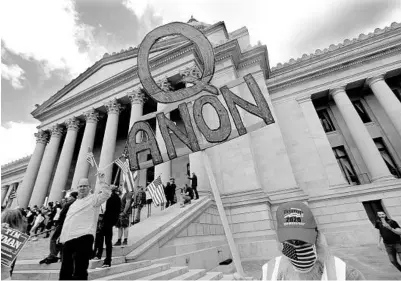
<point>14,74</point>
<point>17,141</point>
<point>46,31</point>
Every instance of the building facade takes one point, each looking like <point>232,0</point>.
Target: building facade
<point>336,142</point>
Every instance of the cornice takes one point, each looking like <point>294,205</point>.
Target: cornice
<point>332,48</point>
<point>228,49</point>
<point>12,164</point>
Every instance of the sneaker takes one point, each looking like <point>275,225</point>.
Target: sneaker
<point>43,261</point>
<point>34,238</point>
<point>51,260</point>
<point>125,242</point>
<point>118,243</point>
<point>106,265</point>
<point>96,258</point>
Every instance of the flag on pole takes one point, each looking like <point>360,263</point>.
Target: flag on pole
<point>156,191</point>
<point>13,194</point>
<point>91,159</point>
<point>128,177</point>
<point>124,166</point>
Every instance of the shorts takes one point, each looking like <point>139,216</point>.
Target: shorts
<point>123,221</point>
<point>149,201</point>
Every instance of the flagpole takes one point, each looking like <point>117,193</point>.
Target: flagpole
<point>222,213</point>
<point>115,179</point>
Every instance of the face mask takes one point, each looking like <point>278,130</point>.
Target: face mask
<point>302,257</point>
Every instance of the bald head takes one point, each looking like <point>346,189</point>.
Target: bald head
<point>83,188</point>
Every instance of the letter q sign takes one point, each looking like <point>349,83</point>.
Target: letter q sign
<point>204,47</point>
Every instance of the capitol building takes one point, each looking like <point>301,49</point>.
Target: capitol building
<point>335,143</point>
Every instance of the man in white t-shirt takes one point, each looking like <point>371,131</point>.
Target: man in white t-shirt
<point>79,229</point>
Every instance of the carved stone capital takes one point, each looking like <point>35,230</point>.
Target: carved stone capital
<point>374,79</point>
<point>57,131</point>
<point>42,137</point>
<point>164,84</point>
<point>91,116</point>
<point>113,107</point>
<point>192,71</point>
<point>136,97</point>
<point>337,90</point>
<point>73,124</point>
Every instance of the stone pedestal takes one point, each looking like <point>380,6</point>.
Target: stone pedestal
<point>25,190</point>
<point>46,167</point>
<point>64,164</point>
<point>367,148</point>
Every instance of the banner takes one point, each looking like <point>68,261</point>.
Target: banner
<point>12,242</point>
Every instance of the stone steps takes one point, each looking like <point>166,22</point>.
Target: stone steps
<point>192,274</point>
<point>168,274</point>
<point>139,273</point>
<point>212,276</point>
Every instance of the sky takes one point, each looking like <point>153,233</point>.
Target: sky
<point>47,43</point>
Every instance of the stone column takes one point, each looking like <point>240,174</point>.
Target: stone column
<point>4,191</point>
<point>64,163</point>
<point>110,136</point>
<point>137,101</point>
<point>88,139</point>
<point>367,148</point>
<point>318,135</point>
<point>164,169</point>
<point>25,190</point>
<point>387,99</point>
<point>47,166</point>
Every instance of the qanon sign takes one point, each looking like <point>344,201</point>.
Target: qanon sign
<point>196,134</point>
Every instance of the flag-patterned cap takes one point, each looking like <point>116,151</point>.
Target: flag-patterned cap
<point>295,221</point>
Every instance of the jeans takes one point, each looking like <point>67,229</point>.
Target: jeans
<point>137,217</point>
<point>195,189</point>
<point>75,258</point>
<point>54,248</point>
<point>392,251</point>
<point>106,235</point>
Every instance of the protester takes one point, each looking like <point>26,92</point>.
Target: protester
<point>15,219</point>
<point>390,231</point>
<point>37,224</point>
<point>194,185</point>
<point>123,220</point>
<point>54,246</point>
<point>110,218</point>
<point>306,255</point>
<point>139,202</point>
<point>169,191</point>
<point>186,196</point>
<point>57,215</point>
<point>79,229</point>
<point>149,201</point>
<point>50,222</point>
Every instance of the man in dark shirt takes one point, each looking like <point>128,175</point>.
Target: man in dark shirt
<point>110,218</point>
<point>54,248</point>
<point>194,185</point>
<point>125,214</point>
<point>170,192</point>
<point>390,231</point>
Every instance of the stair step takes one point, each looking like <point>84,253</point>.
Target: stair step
<point>228,277</point>
<point>137,273</point>
<point>192,274</point>
<point>168,274</point>
<point>36,274</point>
<point>116,269</point>
<point>34,264</point>
<point>212,276</point>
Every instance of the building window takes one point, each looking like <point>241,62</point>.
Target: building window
<point>345,165</point>
<point>387,157</point>
<point>371,208</point>
<point>361,112</point>
<point>325,120</point>
<point>397,94</point>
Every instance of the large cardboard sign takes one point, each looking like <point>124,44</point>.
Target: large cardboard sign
<point>12,242</point>
<point>197,135</point>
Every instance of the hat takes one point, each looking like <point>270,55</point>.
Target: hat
<point>295,221</point>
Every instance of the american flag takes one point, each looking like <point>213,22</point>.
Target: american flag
<point>302,256</point>
<point>124,166</point>
<point>156,191</point>
<point>13,194</point>
<point>128,177</point>
<point>90,158</point>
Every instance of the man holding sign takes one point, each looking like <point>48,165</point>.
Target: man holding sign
<point>79,229</point>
